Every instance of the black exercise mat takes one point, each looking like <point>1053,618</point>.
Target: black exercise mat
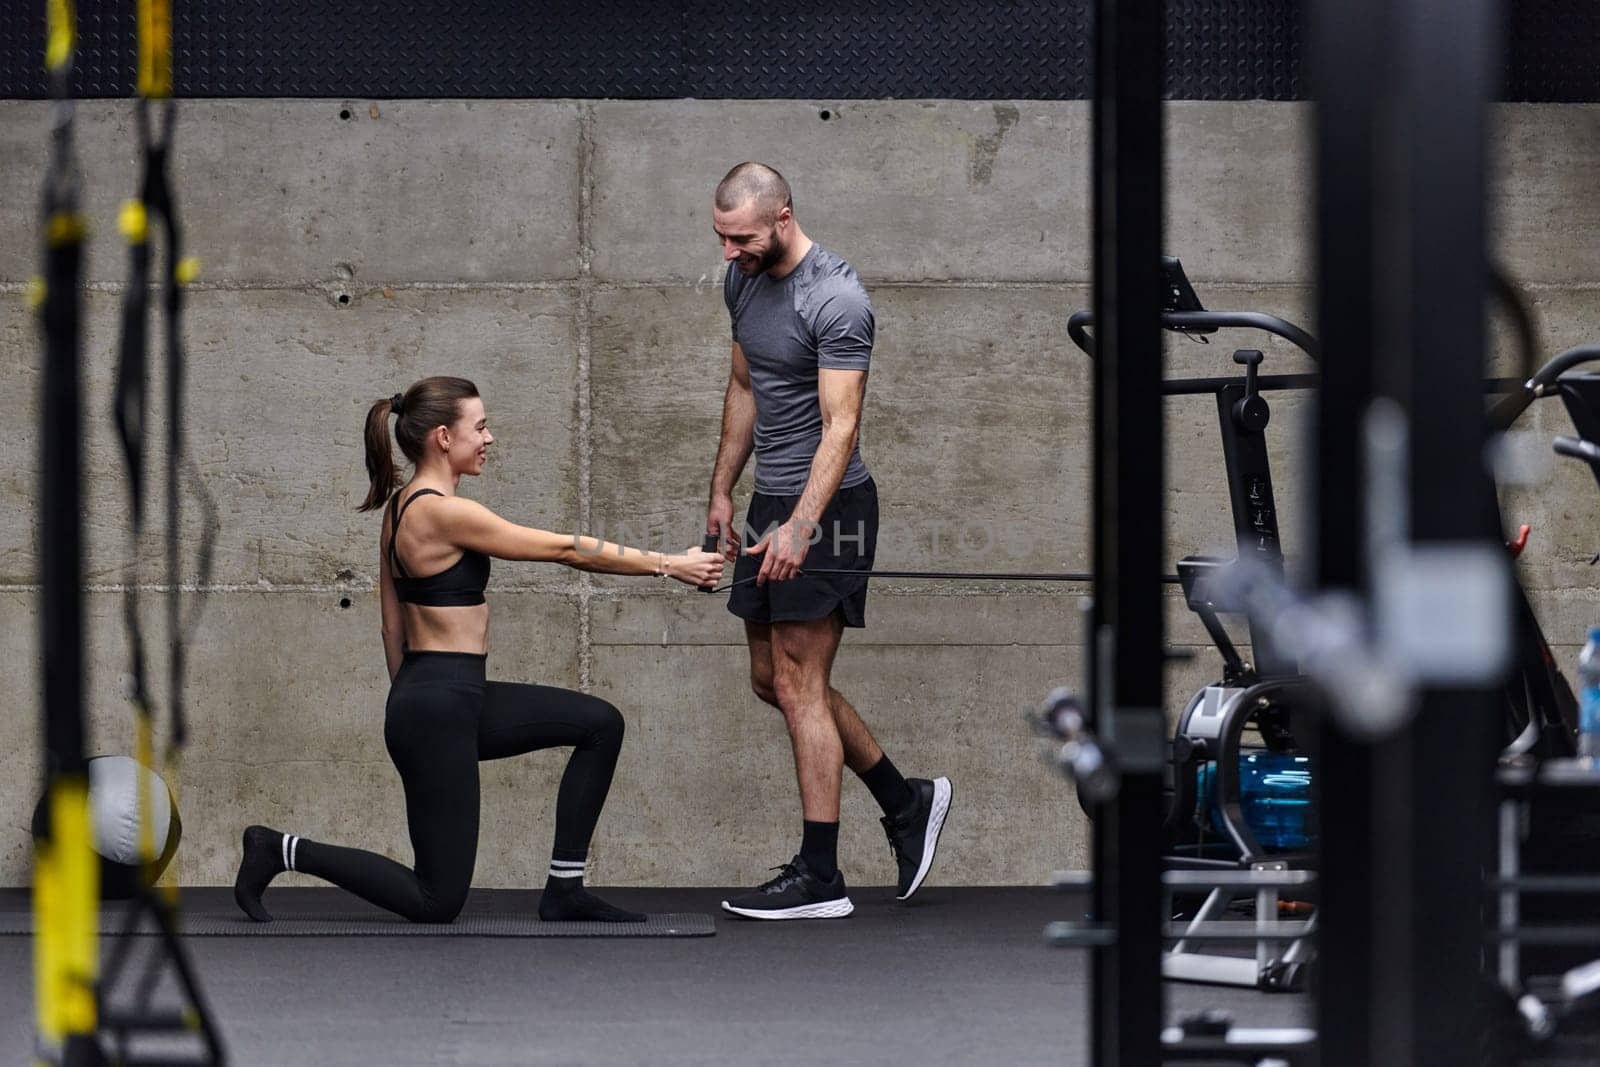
<point>225,924</point>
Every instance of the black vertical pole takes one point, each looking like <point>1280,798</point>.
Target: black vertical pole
<point>1402,90</point>
<point>1452,60</point>
<point>1129,528</point>
<point>1359,994</point>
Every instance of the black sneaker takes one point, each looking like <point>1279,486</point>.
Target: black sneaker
<point>914,833</point>
<point>795,894</point>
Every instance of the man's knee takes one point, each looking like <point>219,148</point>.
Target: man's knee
<point>761,685</point>
<point>798,695</point>
<point>761,672</point>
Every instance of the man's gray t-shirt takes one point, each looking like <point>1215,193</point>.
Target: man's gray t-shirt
<point>817,316</point>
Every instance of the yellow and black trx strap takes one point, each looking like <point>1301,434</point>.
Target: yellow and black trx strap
<point>66,887</point>
<point>153,213</point>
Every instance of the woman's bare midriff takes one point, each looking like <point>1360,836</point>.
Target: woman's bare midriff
<point>447,629</point>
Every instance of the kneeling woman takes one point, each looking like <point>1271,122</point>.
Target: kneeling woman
<point>443,716</point>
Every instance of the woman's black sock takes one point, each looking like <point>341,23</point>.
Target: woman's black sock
<point>566,900</point>
<point>266,855</point>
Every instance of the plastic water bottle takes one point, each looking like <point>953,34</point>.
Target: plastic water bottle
<point>1589,697</point>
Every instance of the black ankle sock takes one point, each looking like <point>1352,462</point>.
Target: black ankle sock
<point>566,900</point>
<point>261,863</point>
<point>819,847</point>
<point>889,787</point>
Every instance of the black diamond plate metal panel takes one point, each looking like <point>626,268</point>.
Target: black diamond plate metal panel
<point>821,49</point>
<point>1021,49</point>
<point>1554,51</point>
<point>1234,50</point>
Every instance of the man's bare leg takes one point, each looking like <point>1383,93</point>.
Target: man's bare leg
<point>914,809</point>
<point>789,665</point>
<point>802,658</point>
<point>861,750</point>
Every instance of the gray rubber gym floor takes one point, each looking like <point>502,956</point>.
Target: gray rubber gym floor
<point>959,976</point>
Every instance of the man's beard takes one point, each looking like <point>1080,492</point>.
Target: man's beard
<point>775,252</point>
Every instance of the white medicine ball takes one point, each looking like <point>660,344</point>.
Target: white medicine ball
<point>114,814</point>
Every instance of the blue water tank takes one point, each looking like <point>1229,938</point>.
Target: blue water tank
<point>1274,796</point>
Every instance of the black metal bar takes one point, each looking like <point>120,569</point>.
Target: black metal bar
<point>1282,382</point>
<point>1522,394</point>
<point>1546,375</point>
<point>1178,1046</point>
<point>1233,663</point>
<point>1563,934</point>
<point>1079,322</point>
<point>1265,383</point>
<point>1450,63</point>
<point>1244,320</point>
<point>1255,509</point>
<point>1547,883</point>
<point>1360,1006</point>
<point>1238,931</point>
<point>1129,528</point>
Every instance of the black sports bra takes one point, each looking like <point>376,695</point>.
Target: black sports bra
<point>458,585</point>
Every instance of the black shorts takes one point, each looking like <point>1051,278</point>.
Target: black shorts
<point>847,541</point>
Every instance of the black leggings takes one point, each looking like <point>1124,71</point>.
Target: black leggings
<point>442,718</point>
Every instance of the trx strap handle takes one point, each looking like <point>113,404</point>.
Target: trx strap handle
<point>156,206</point>
<point>66,873</point>
<point>151,215</point>
<point>129,411</point>
<point>130,406</point>
<point>711,543</point>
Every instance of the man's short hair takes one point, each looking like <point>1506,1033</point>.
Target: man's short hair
<point>757,182</point>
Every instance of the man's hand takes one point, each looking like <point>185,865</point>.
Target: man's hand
<point>784,550</point>
<point>719,521</point>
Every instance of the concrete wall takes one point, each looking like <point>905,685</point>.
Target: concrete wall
<point>560,254</point>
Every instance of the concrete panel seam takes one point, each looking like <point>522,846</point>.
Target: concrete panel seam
<point>322,286</point>
<point>585,341</point>
<point>255,587</point>
<point>316,286</point>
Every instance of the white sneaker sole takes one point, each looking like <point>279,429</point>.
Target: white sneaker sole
<point>930,837</point>
<point>827,909</point>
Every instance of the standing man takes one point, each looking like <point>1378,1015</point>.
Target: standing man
<point>802,339</point>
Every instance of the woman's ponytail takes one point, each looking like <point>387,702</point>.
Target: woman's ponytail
<point>428,403</point>
<point>381,475</point>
